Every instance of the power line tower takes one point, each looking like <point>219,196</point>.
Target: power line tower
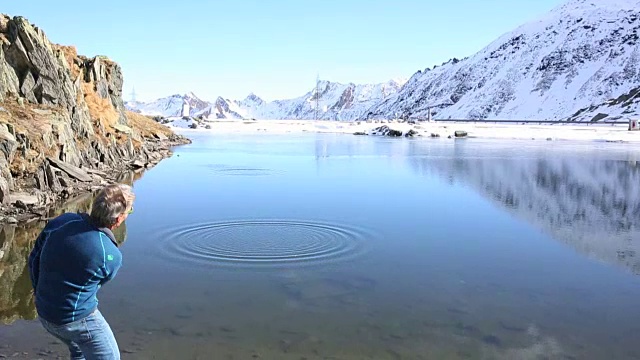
<point>317,94</point>
<point>133,94</point>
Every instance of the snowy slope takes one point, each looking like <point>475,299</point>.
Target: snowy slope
<point>572,63</point>
<point>168,106</point>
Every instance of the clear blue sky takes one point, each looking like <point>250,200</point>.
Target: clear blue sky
<point>274,48</point>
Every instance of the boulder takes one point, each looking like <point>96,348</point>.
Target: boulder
<point>359,133</point>
<point>73,171</point>
<point>460,133</point>
<point>411,133</point>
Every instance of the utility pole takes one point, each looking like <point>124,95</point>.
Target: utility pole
<point>133,95</point>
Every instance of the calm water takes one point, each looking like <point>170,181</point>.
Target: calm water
<point>343,247</point>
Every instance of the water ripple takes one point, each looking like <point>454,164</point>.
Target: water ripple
<point>261,242</point>
<point>225,170</point>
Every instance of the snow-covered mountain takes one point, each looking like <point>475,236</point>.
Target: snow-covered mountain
<point>223,109</point>
<point>335,101</point>
<point>581,61</point>
<point>168,106</point>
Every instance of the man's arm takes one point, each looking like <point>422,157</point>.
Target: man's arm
<point>112,265</point>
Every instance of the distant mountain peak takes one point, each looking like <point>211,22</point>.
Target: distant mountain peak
<point>253,99</point>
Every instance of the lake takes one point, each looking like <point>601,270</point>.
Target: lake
<point>320,246</point>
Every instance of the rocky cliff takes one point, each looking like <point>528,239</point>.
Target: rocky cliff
<point>63,125</point>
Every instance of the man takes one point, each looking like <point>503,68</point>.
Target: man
<point>74,255</point>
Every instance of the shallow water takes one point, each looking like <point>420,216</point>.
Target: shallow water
<point>342,247</point>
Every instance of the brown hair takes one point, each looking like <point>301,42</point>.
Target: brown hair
<point>111,202</point>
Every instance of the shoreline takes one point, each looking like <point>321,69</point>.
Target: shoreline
<point>555,132</point>
<point>28,203</point>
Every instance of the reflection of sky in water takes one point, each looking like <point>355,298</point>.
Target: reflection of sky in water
<point>467,249</point>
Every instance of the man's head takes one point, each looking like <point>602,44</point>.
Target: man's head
<point>112,205</point>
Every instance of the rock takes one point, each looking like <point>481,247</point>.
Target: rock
<point>24,198</point>
<point>411,133</point>
<point>434,135</point>
<point>137,164</point>
<point>20,205</point>
<point>207,126</point>
<point>492,340</point>
<point>123,129</point>
<point>359,133</point>
<point>96,172</point>
<point>64,182</point>
<point>21,102</point>
<point>42,112</point>
<point>4,191</point>
<point>460,133</point>
<point>52,179</point>
<point>8,143</point>
<point>11,220</point>
<point>193,126</point>
<point>41,183</point>
<point>28,85</point>
<point>394,133</point>
<point>71,170</point>
<point>162,137</point>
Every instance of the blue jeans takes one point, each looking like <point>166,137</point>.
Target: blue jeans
<point>90,338</point>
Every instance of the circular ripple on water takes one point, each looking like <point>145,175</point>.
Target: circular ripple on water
<point>262,242</point>
<point>240,171</point>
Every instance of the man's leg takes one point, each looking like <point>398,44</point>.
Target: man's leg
<point>101,343</point>
<point>57,331</point>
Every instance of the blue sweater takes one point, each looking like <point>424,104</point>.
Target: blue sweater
<point>70,261</point>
